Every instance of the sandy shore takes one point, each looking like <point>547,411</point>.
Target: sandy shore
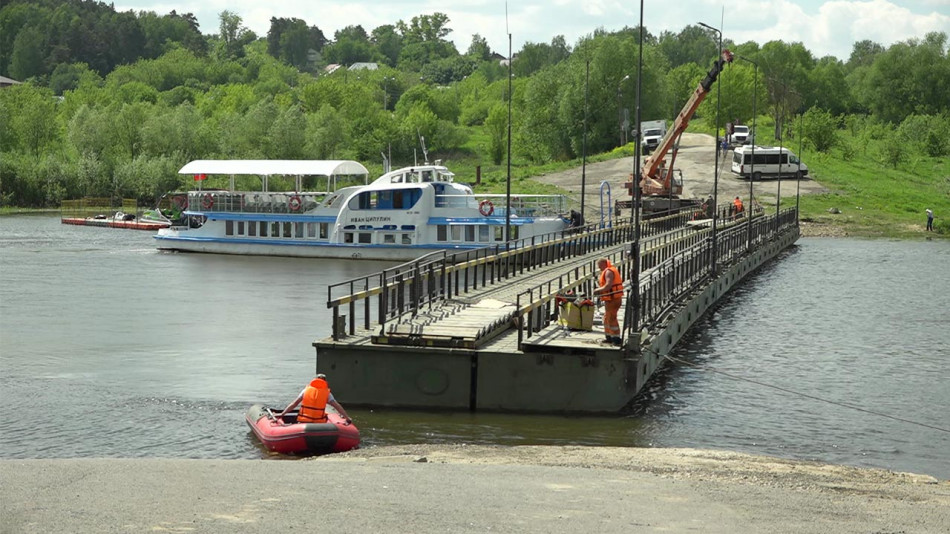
<point>458,488</point>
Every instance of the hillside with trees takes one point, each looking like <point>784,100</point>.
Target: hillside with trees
<point>113,103</point>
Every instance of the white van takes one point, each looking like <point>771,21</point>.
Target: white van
<point>769,161</point>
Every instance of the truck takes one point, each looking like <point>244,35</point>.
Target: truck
<point>659,187</point>
<point>650,134</point>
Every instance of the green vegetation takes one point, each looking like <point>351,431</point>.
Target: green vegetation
<point>114,104</point>
<point>874,199</point>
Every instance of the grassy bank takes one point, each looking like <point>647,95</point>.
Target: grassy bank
<point>877,200</point>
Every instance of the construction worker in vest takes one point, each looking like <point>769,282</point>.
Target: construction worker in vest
<point>610,292</point>
<point>738,205</point>
<point>314,399</point>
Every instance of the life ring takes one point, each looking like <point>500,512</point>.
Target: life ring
<point>207,201</point>
<point>486,208</point>
<point>294,203</point>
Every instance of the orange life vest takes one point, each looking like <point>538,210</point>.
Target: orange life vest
<point>738,204</point>
<point>614,292</point>
<point>313,407</point>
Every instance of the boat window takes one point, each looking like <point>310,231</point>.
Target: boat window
<point>324,229</point>
<point>298,229</point>
<point>398,179</point>
<point>252,228</point>
<point>348,237</point>
<point>406,239</point>
<point>499,233</point>
<point>240,228</point>
<point>515,232</point>
<point>427,176</point>
<point>408,227</point>
<point>366,237</point>
<point>311,230</point>
<point>470,233</point>
<point>401,199</point>
<point>389,239</point>
<point>263,229</point>
<point>483,233</point>
<point>275,229</point>
<point>456,233</point>
<point>441,232</point>
<point>228,227</point>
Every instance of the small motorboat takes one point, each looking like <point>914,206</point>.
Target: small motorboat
<point>285,435</point>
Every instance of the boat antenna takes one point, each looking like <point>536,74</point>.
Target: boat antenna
<point>385,162</point>
<point>425,153</point>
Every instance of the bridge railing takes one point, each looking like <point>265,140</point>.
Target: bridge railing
<point>404,290</point>
<point>672,265</point>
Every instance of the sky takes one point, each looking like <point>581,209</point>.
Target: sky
<point>825,27</point>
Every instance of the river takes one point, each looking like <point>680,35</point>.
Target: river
<point>836,352</point>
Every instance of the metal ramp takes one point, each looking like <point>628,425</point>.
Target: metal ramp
<point>454,324</point>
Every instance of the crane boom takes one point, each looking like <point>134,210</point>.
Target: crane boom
<point>655,177</point>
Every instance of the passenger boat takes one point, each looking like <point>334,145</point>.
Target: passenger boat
<point>400,216</point>
<point>287,436</point>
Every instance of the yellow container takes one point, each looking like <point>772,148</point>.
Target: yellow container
<point>576,317</point>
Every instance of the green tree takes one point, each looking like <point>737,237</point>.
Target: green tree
<point>32,118</point>
<point>497,126</point>
<point>27,58</point>
<point>388,42</point>
<point>821,129</point>
<point>691,45</point>
<point>233,35</point>
<point>479,49</point>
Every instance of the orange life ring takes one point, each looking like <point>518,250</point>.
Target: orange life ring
<point>294,203</point>
<point>207,201</point>
<point>486,208</point>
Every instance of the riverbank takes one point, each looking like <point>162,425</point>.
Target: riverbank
<point>458,488</point>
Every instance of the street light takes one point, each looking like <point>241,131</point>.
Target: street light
<point>755,95</point>
<point>620,107</point>
<point>716,170</point>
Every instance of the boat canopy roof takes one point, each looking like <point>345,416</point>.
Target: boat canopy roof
<point>267,167</point>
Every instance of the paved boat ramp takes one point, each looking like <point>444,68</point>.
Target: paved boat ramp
<point>479,331</point>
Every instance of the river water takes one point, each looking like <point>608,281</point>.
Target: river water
<point>109,348</point>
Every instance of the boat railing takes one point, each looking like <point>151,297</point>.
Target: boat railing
<point>254,202</point>
<point>521,205</point>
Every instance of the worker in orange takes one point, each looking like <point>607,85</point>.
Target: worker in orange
<point>610,292</point>
<point>737,203</point>
<point>315,398</point>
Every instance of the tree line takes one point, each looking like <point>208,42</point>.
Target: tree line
<point>115,103</point>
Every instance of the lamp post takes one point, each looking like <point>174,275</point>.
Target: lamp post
<point>755,96</point>
<point>716,170</point>
<point>634,336</point>
<point>620,105</point>
<point>584,164</point>
<point>798,175</point>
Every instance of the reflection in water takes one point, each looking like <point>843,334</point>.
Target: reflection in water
<point>117,350</point>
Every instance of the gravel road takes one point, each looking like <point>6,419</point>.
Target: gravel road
<point>696,159</point>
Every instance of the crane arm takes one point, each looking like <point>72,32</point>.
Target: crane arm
<point>655,179</point>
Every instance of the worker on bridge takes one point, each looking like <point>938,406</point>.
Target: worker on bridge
<point>610,292</point>
<point>738,207</point>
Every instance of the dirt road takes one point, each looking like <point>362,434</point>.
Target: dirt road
<point>696,159</point>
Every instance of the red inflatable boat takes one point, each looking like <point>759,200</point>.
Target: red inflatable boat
<point>287,436</point>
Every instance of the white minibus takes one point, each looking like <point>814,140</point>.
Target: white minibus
<point>769,161</point>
